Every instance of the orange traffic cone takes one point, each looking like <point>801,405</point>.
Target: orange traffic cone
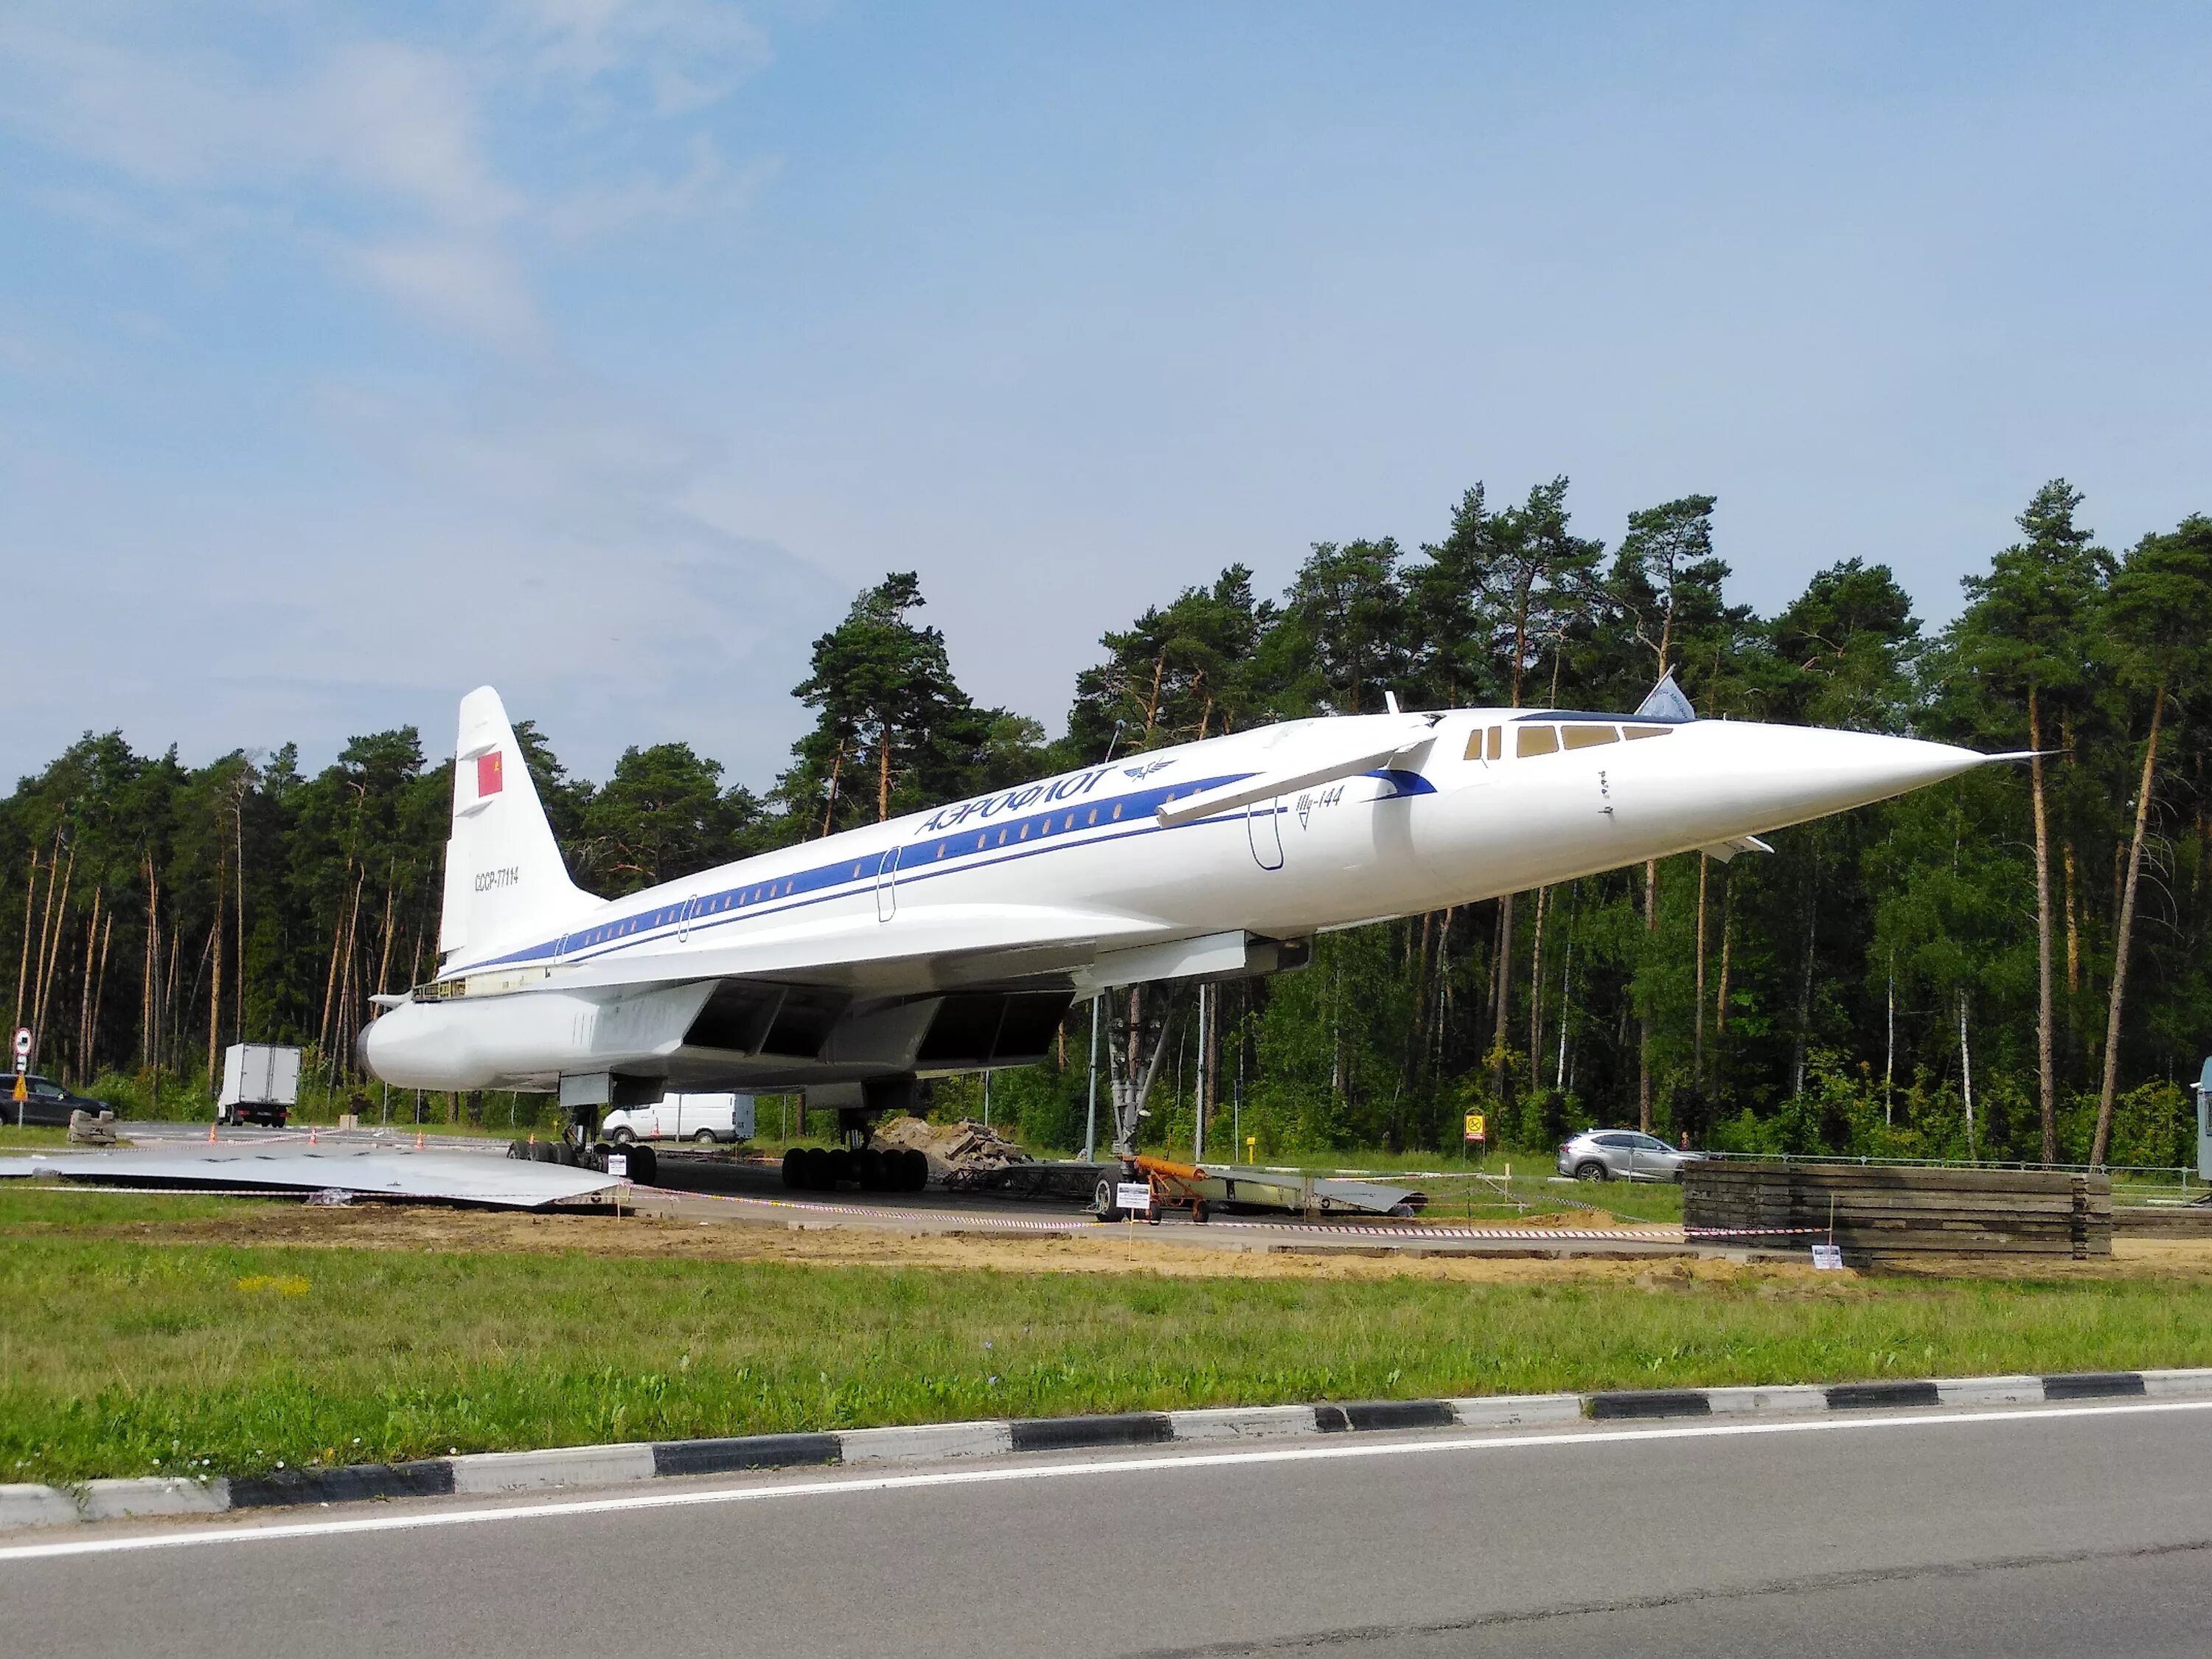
<point>418,1141</point>
<point>311,1134</point>
<point>210,1128</point>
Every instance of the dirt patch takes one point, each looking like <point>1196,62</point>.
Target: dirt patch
<point>1578,1218</point>
<point>377,1227</point>
<point>1107,1250</point>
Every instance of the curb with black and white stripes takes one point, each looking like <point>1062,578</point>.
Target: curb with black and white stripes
<point>484,1473</point>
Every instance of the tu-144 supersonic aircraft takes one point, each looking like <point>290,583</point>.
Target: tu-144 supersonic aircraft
<point>956,939</point>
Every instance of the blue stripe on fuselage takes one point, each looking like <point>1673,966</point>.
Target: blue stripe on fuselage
<point>1113,818</point>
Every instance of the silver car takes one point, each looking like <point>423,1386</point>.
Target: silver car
<point>1622,1155</point>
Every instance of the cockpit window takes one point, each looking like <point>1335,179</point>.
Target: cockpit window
<point>1486,743</point>
<point>1633,732</point>
<point>1589,737</point>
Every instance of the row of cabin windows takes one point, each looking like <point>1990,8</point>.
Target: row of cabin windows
<point>1488,742</point>
<point>1021,831</point>
<point>704,907</point>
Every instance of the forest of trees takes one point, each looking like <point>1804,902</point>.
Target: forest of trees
<point>2012,965</point>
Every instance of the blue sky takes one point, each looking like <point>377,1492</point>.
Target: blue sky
<point>352,356</point>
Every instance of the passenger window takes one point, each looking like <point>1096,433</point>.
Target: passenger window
<point>1589,737</point>
<point>1536,740</point>
<point>1633,732</point>
<point>1497,743</point>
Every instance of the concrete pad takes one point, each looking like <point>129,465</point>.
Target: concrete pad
<point>919,1442</point>
<point>1513,1410</point>
<point>2173,1383</point>
<point>562,1466</point>
<point>1989,1390</point>
<point>1242,1423</point>
<point>36,1506</point>
<point>111,1500</point>
<point>1804,1397</point>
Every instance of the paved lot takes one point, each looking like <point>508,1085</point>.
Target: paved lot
<point>2044,1532</point>
<point>711,1189</point>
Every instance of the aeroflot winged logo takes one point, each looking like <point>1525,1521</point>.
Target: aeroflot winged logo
<point>1015,800</point>
<point>489,782</point>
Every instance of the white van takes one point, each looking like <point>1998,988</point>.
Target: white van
<point>706,1119</point>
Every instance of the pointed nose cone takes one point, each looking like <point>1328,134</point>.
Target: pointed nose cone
<point>1805,773</point>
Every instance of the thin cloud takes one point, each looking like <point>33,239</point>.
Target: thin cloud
<point>678,55</point>
<point>467,284</point>
<point>404,123</point>
<point>708,188</point>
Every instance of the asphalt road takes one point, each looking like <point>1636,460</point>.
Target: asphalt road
<point>2043,1533</point>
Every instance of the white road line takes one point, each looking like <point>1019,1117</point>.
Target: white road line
<point>1335,1451</point>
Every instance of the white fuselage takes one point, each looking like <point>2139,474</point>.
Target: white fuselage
<point>1073,880</point>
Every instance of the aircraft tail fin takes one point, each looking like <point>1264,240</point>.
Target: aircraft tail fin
<point>504,873</point>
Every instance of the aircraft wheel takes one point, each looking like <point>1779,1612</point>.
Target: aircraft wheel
<point>917,1170</point>
<point>793,1167</point>
<point>644,1165</point>
<point>874,1171</point>
<point>1108,1210</point>
<point>840,1169</point>
<point>1198,1210</point>
<point>519,1149</point>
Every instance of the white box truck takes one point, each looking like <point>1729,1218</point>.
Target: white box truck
<point>260,1084</point>
<point>705,1118</point>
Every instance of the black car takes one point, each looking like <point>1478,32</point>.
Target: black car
<point>45,1102</point>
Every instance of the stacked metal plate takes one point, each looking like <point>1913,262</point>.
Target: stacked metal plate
<point>379,1172</point>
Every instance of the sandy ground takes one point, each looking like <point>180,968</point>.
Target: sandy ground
<point>1112,1251</point>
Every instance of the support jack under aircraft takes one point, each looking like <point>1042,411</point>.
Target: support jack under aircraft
<point>956,939</point>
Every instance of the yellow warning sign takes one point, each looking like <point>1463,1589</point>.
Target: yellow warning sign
<point>1475,1127</point>
<point>21,1093</point>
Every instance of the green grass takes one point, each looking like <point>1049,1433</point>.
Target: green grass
<point>32,1137</point>
<point>29,1211</point>
<point>125,1358</point>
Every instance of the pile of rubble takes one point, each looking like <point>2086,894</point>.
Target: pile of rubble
<point>961,1155</point>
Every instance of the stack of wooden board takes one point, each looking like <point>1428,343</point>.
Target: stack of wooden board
<point>1887,1209</point>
